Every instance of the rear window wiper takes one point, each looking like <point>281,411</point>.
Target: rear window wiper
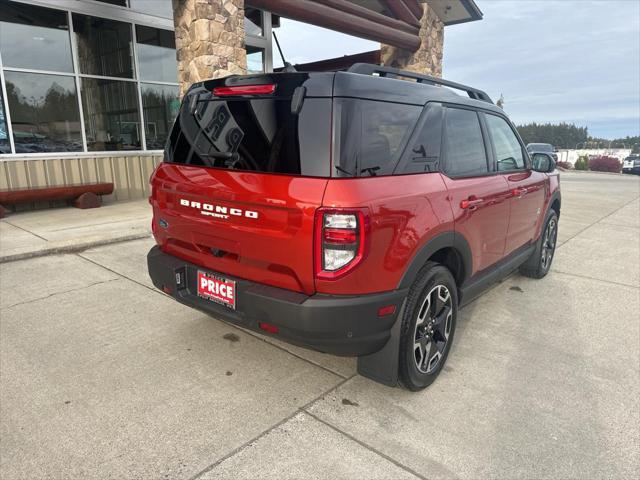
<point>342,170</point>
<point>371,170</point>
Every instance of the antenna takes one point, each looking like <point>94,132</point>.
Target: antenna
<point>287,66</point>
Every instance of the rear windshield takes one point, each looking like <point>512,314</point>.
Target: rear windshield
<point>370,135</point>
<point>260,135</point>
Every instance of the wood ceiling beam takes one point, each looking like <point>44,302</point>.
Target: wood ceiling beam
<point>352,8</point>
<point>415,7</point>
<point>402,12</point>
<point>326,16</point>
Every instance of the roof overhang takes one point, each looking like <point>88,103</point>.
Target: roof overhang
<point>452,12</point>
<point>394,22</point>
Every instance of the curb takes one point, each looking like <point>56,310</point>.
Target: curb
<point>71,247</point>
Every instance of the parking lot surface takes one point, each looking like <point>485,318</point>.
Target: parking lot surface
<point>101,376</point>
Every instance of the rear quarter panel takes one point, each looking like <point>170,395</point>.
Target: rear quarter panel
<point>405,211</point>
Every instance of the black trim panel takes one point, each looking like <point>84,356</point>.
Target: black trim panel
<point>341,325</point>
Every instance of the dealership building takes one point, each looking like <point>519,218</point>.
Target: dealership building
<point>90,88</point>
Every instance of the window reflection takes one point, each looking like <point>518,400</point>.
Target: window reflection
<point>253,21</point>
<point>104,46</point>
<point>111,117</point>
<point>161,105</point>
<point>44,112</point>
<point>34,37</point>
<point>255,60</point>
<point>160,8</point>
<point>5,147</point>
<point>156,54</point>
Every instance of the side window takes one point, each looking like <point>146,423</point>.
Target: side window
<point>464,146</point>
<point>424,154</point>
<point>508,150</point>
<point>372,135</point>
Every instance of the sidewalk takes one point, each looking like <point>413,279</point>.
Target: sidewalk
<point>57,230</point>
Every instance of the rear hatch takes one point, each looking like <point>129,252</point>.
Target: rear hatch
<point>245,169</point>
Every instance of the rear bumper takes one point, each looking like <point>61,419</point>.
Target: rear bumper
<point>341,325</point>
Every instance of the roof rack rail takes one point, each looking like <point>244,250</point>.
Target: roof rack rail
<point>382,71</point>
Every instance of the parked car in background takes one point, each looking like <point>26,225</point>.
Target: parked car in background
<point>631,165</point>
<point>542,148</point>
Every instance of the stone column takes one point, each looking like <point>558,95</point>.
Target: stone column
<point>428,58</point>
<point>209,39</point>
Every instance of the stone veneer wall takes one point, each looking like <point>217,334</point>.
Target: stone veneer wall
<point>428,58</point>
<point>209,39</point>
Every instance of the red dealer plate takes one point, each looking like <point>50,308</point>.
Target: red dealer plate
<point>217,289</point>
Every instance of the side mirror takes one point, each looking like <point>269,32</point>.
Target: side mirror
<point>541,162</point>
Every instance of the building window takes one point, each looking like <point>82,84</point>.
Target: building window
<point>255,59</point>
<point>104,46</point>
<point>44,112</point>
<point>5,147</point>
<point>159,8</point>
<point>156,54</point>
<point>34,37</point>
<point>160,104</point>
<point>74,82</point>
<point>111,117</point>
<point>253,24</point>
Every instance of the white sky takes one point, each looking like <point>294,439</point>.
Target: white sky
<point>553,60</point>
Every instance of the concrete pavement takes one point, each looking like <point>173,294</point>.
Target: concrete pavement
<point>102,376</point>
<point>62,230</point>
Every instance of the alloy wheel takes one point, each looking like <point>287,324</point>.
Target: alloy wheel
<point>549,243</point>
<point>433,327</point>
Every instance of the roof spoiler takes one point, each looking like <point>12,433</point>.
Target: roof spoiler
<point>371,69</point>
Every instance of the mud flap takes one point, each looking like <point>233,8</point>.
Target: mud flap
<point>382,366</point>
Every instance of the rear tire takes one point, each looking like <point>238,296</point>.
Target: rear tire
<point>428,325</point>
<point>539,264</point>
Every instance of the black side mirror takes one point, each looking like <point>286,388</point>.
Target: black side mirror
<point>541,162</point>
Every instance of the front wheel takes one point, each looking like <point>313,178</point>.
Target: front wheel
<point>428,326</point>
<point>539,264</point>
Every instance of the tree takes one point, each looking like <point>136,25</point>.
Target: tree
<point>562,135</point>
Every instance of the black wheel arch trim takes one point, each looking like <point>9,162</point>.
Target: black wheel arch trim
<point>448,239</point>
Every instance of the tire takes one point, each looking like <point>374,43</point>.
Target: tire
<point>539,264</point>
<point>428,326</point>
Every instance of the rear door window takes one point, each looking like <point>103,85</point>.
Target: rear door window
<point>506,146</point>
<point>370,135</point>
<point>464,144</point>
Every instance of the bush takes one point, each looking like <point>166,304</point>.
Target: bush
<point>565,165</point>
<point>582,163</point>
<point>604,163</point>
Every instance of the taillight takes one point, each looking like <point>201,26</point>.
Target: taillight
<point>340,242</point>
<point>245,90</point>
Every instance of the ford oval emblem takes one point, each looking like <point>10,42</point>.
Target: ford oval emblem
<point>163,223</point>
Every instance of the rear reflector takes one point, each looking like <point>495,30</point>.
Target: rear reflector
<point>245,90</point>
<point>388,310</point>
<point>267,327</point>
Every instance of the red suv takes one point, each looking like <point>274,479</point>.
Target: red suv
<point>349,212</point>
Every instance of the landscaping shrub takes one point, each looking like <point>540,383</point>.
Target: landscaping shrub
<point>604,163</point>
<point>582,163</point>
<point>565,165</point>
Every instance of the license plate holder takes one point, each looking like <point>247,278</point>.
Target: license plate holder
<point>216,288</point>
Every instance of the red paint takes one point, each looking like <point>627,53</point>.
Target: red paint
<point>397,215</point>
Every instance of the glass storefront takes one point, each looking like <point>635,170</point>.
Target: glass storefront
<point>75,80</point>
<point>80,83</point>
<point>44,112</point>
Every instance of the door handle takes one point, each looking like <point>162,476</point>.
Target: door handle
<point>519,192</point>
<point>471,203</point>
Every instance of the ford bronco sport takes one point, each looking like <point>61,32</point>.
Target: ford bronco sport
<point>349,212</point>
